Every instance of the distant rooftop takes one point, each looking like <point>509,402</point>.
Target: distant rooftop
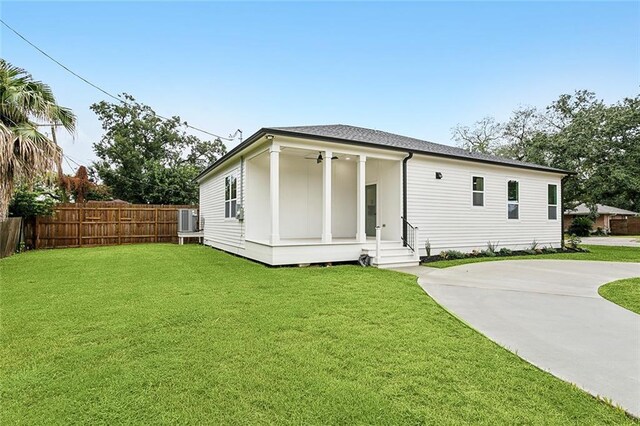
<point>582,209</point>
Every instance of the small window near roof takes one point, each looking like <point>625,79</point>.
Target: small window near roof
<point>552,202</point>
<point>230,197</point>
<point>478,191</point>
<point>513,199</point>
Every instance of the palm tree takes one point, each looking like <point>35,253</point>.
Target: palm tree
<point>25,153</point>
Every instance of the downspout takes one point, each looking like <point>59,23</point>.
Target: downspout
<point>404,197</point>
<point>562,181</point>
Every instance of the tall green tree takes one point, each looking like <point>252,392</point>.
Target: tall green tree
<point>26,154</point>
<point>146,159</point>
<point>578,132</point>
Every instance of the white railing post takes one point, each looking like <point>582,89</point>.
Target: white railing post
<point>416,246</point>
<point>378,244</point>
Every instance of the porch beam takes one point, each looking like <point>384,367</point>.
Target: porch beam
<point>361,234</point>
<point>326,196</point>
<point>274,191</point>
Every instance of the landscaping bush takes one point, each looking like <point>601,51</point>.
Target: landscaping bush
<point>452,254</point>
<point>505,252</point>
<point>549,250</point>
<point>573,241</point>
<point>581,226</point>
<point>489,253</point>
<point>492,247</point>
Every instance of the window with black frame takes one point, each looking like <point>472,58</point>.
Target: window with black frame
<point>513,199</point>
<point>552,202</point>
<point>478,191</point>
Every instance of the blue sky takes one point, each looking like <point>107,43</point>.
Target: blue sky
<point>416,69</point>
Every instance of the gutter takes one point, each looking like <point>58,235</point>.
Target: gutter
<point>404,197</point>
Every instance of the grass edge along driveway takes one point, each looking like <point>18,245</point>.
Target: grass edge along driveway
<point>186,334</point>
<point>600,253</point>
<point>625,293</point>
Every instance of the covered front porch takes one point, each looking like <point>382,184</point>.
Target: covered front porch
<point>308,196</point>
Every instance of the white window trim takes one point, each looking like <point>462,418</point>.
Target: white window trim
<point>484,191</point>
<point>557,202</point>
<point>230,218</point>
<point>506,193</point>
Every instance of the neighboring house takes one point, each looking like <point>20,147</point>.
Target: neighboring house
<point>603,220</point>
<point>315,194</point>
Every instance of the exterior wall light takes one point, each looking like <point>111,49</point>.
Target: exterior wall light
<point>438,175</point>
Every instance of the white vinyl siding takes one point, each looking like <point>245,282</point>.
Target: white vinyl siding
<point>443,211</point>
<point>220,229</point>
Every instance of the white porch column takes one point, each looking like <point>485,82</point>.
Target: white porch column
<point>326,197</point>
<point>361,234</point>
<point>274,191</point>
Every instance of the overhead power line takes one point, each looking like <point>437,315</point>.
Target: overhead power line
<point>95,86</point>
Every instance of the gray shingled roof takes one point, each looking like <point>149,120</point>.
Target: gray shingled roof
<point>359,135</point>
<point>582,209</point>
<point>386,139</point>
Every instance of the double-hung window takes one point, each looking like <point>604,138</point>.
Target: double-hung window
<point>513,199</point>
<point>230,197</point>
<point>478,190</point>
<point>552,202</point>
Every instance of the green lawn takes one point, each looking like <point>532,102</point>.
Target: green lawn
<point>605,253</point>
<point>625,293</point>
<point>186,334</point>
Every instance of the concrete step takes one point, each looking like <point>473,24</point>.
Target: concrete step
<point>395,258</point>
<point>398,265</point>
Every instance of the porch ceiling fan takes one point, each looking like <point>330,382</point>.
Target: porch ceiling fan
<point>319,158</point>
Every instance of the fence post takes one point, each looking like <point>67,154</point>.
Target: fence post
<point>80,211</point>
<point>119,225</point>
<point>156,224</point>
<point>36,234</point>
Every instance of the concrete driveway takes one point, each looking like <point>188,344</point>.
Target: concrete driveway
<point>549,313</point>
<point>613,241</point>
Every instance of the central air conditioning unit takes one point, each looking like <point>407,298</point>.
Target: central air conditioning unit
<point>188,220</point>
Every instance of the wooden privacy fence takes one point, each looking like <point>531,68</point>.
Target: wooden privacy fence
<point>99,224</point>
<point>628,226</point>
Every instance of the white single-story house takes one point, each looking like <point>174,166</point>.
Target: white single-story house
<point>319,194</point>
<point>604,215</point>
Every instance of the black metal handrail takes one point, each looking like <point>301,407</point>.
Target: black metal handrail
<point>408,234</point>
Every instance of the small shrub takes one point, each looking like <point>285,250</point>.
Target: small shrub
<point>475,253</point>
<point>427,247</point>
<point>505,252</point>
<point>489,253</point>
<point>549,250</point>
<point>600,232</point>
<point>581,226</point>
<point>573,241</point>
<point>452,254</point>
<point>529,251</point>
<point>492,247</point>
<point>534,245</point>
